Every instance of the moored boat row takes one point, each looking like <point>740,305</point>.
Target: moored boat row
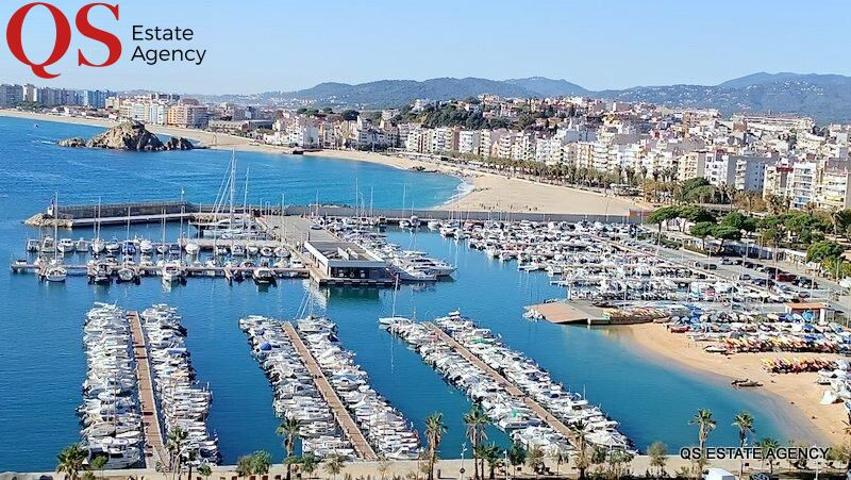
<point>184,404</point>
<point>296,395</point>
<point>110,413</point>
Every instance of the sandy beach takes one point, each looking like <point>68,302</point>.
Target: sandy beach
<point>484,192</point>
<point>797,394</point>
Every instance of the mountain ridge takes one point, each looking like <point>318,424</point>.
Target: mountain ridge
<point>825,97</point>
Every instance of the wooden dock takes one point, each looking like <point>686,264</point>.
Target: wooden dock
<point>344,419</point>
<point>155,451</point>
<point>509,387</point>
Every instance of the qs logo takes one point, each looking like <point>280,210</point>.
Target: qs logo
<point>62,37</point>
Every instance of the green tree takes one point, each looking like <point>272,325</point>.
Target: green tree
<point>769,445</point>
<point>289,429</point>
<point>309,463</point>
<point>583,461</point>
<point>70,461</point>
<point>98,463</point>
<point>702,230</point>
<point>705,424</point>
<point>244,466</point>
<point>516,455</point>
<point>722,232</point>
<point>261,461</point>
<point>334,464</point>
<point>658,453</point>
<point>560,456</point>
<point>435,428</point>
<point>661,216</point>
<point>535,459</point>
<point>175,444</point>
<point>475,421</point>
<point>493,457</point>
<point>744,424</point>
<point>205,470</point>
<point>820,251</point>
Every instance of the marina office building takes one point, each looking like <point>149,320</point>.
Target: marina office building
<point>346,261</point>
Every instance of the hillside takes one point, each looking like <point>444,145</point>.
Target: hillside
<point>826,98</point>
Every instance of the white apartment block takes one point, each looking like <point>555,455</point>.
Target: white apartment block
<point>833,185</point>
<point>469,141</point>
<point>801,184</point>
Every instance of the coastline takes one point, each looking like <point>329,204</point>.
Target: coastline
<point>797,395</point>
<point>480,191</point>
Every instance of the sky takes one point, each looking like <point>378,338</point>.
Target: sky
<point>262,45</point>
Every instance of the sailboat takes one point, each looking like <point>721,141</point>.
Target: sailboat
<point>54,271</point>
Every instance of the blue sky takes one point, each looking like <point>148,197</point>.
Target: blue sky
<point>259,45</point>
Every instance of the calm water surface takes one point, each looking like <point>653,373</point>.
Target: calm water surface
<point>42,363</point>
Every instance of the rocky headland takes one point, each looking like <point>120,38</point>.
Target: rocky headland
<point>130,136</point>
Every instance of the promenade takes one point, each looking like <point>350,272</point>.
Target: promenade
<point>344,419</point>
<point>155,452</point>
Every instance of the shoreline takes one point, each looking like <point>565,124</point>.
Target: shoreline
<point>796,395</point>
<point>480,191</point>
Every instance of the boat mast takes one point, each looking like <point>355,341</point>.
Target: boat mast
<point>231,183</point>
<point>56,227</point>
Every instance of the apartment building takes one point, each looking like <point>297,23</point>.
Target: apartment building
<point>801,184</point>
<point>11,95</point>
<point>776,180</point>
<point>833,185</point>
<point>469,141</point>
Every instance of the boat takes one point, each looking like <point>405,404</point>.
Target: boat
<point>66,245</point>
<point>54,272</point>
<point>172,272</point>
<point>192,248</point>
<point>128,273</point>
<point>263,275</point>
<point>146,247</point>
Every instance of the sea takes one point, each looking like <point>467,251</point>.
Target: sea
<point>42,362</point>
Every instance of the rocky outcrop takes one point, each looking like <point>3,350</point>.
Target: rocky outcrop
<point>130,136</point>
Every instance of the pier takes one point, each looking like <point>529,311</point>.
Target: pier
<point>510,387</point>
<point>155,452</point>
<point>344,419</point>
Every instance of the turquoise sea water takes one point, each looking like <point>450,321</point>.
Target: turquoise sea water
<point>42,363</point>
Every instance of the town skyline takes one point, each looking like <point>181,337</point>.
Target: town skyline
<point>612,46</point>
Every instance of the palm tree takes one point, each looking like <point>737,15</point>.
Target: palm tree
<point>658,452</point>
<point>435,428</point>
<point>308,463</point>
<point>98,463</point>
<point>535,459</point>
<point>767,445</point>
<point>334,464</point>
<point>70,460</point>
<point>261,461</point>
<point>705,424</point>
<point>243,466</point>
<point>559,455</point>
<point>744,423</point>
<point>289,429</point>
<point>205,470</point>
<point>493,456</point>
<point>580,429</point>
<point>516,455</point>
<point>475,421</point>
<point>175,443</point>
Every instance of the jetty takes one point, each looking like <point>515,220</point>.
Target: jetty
<point>155,451</point>
<point>344,419</point>
<point>509,386</point>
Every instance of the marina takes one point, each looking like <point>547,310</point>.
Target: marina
<point>489,290</point>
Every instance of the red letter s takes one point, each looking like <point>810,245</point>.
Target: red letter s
<point>111,41</point>
<point>60,46</point>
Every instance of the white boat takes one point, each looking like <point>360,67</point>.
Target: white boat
<point>127,274</point>
<point>263,275</point>
<point>192,248</point>
<point>65,245</point>
<point>55,273</point>
<point>98,246</point>
<point>146,247</point>
<point>171,272</point>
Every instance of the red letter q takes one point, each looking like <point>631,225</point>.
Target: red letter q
<point>62,40</point>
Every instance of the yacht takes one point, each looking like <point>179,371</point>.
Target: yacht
<point>263,275</point>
